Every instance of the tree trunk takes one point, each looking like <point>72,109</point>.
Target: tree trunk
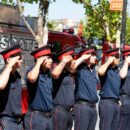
<point>42,30</point>
<point>118,40</point>
<point>107,30</point>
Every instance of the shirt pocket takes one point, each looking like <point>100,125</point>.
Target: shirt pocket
<point>45,85</point>
<point>86,75</point>
<point>16,84</point>
<point>67,81</point>
<point>13,85</point>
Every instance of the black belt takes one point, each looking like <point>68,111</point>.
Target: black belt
<point>83,102</point>
<point>46,114</point>
<point>8,118</point>
<point>68,109</point>
<point>111,99</point>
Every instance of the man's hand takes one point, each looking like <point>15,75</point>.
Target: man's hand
<point>67,59</point>
<point>12,61</point>
<point>110,59</point>
<point>128,60</point>
<point>41,60</point>
<point>86,56</point>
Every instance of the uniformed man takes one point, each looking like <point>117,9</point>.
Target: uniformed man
<point>39,84</point>
<point>11,90</point>
<point>63,91</point>
<point>85,94</point>
<point>109,107</point>
<point>125,91</point>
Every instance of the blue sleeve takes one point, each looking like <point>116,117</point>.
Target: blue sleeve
<point>26,80</point>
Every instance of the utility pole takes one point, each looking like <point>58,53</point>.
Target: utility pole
<point>123,30</point>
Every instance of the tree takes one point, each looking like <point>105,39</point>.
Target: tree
<point>101,22</point>
<point>128,30</point>
<point>52,25</point>
<point>81,28</point>
<point>41,37</point>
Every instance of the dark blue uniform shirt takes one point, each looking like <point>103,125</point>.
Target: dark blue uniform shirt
<point>63,93</point>
<point>86,82</point>
<point>110,84</point>
<point>125,84</point>
<point>11,97</point>
<point>40,93</point>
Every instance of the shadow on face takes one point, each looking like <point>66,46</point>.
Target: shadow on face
<point>47,63</point>
<point>116,60</point>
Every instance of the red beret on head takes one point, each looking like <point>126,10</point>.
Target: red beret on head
<point>88,50</point>
<point>112,52</point>
<point>43,51</point>
<point>126,50</point>
<point>10,51</point>
<point>67,51</point>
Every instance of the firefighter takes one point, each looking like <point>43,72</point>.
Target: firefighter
<point>39,84</point>
<point>125,91</point>
<point>109,107</point>
<point>63,90</point>
<point>85,113</point>
<point>11,90</point>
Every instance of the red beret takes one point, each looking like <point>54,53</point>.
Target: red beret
<point>88,50</point>
<point>112,52</point>
<point>10,51</point>
<point>43,51</point>
<point>67,51</point>
<point>126,50</point>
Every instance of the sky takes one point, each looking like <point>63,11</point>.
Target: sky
<point>62,9</point>
<point>59,10</point>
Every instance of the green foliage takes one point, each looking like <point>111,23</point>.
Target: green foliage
<point>98,16</point>
<point>77,1</point>
<point>128,30</point>
<point>24,1</point>
<point>52,25</point>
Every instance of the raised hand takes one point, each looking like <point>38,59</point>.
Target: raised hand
<point>40,60</point>
<point>128,59</point>
<point>110,59</point>
<point>12,61</point>
<point>67,58</point>
<point>86,56</point>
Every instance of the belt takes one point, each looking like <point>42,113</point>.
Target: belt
<point>111,99</point>
<point>68,109</point>
<point>8,118</point>
<point>46,114</point>
<point>85,102</point>
<point>125,95</point>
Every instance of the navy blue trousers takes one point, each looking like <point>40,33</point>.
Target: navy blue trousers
<point>109,113</point>
<point>37,121</point>
<point>125,113</point>
<point>85,117</point>
<point>9,124</point>
<point>63,119</point>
